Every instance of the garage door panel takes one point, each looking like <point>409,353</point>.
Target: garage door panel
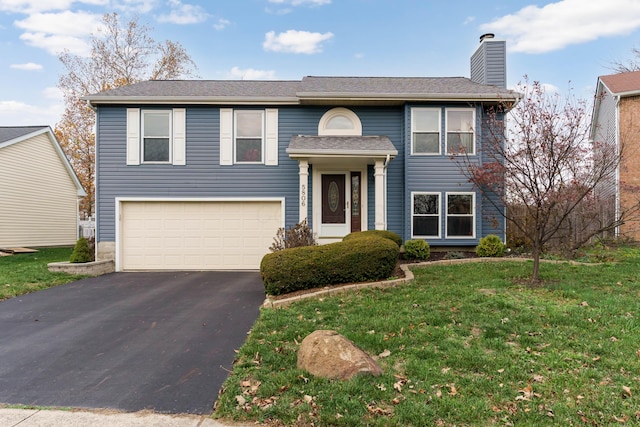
<point>174,235</point>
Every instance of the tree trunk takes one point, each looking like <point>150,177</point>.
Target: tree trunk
<point>535,278</point>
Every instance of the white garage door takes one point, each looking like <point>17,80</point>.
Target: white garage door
<point>191,235</point>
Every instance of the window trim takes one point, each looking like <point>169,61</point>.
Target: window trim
<point>143,113</point>
<point>473,132</point>
<point>413,131</point>
<point>472,215</point>
<point>262,137</point>
<point>340,111</point>
<point>438,215</point>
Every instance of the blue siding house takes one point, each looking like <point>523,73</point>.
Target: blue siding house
<point>200,174</point>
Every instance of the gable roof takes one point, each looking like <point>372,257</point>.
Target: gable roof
<point>623,83</point>
<point>10,135</point>
<point>311,89</point>
<point>7,133</point>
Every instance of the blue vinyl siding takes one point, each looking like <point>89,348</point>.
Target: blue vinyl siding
<point>442,174</point>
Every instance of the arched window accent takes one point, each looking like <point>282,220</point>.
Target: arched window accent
<point>340,121</point>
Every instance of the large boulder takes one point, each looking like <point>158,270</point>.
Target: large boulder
<point>328,354</point>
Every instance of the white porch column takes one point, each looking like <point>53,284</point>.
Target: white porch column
<point>304,189</point>
<point>380,196</point>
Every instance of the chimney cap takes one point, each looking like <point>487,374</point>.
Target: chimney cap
<point>486,36</point>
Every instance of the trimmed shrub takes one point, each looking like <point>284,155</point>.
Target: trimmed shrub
<point>293,237</point>
<point>355,260</point>
<point>417,249</point>
<point>81,252</point>
<point>385,234</point>
<point>490,246</point>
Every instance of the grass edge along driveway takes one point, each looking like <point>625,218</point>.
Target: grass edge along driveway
<point>468,344</point>
<point>24,273</point>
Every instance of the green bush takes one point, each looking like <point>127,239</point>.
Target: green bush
<point>490,246</point>
<point>386,234</point>
<point>81,252</point>
<point>416,249</point>
<point>356,260</point>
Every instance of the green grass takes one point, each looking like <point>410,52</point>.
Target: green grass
<point>24,273</point>
<point>471,345</point>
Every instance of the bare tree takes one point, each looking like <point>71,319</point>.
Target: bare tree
<point>630,65</point>
<point>120,55</point>
<point>544,165</point>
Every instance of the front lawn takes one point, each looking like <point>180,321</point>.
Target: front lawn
<point>24,273</point>
<point>469,344</point>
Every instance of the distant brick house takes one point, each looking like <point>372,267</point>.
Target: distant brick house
<point>616,123</point>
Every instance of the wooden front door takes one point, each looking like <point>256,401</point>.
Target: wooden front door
<point>333,199</point>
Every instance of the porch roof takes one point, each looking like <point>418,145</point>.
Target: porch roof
<point>341,146</point>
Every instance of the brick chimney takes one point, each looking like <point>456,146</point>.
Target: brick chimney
<point>489,62</point>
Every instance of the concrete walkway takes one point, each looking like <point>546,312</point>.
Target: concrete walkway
<point>58,418</point>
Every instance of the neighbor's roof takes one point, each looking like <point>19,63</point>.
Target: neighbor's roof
<point>7,133</point>
<point>307,90</point>
<point>622,83</point>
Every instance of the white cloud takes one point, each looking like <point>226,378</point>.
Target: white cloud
<point>251,74</point>
<point>29,66</point>
<point>301,2</point>
<point>536,29</point>
<point>15,113</point>
<point>55,32</point>
<point>182,13</point>
<point>468,20</point>
<point>136,6</point>
<point>221,24</point>
<point>35,6</point>
<point>293,41</point>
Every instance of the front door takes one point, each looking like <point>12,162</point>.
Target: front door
<point>341,204</point>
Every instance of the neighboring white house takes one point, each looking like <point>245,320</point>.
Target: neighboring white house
<point>39,191</point>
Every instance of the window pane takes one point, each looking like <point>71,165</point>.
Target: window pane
<point>425,204</point>
<point>339,122</point>
<point>459,226</point>
<point>425,225</point>
<point>426,143</point>
<point>459,121</point>
<point>248,150</point>
<point>458,143</point>
<point>249,124</point>
<point>425,120</point>
<point>460,204</point>
<point>156,149</point>
<point>156,123</point>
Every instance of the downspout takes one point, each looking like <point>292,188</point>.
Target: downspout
<point>95,182</point>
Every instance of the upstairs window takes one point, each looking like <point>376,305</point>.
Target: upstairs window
<point>460,131</point>
<point>340,121</point>
<point>156,136</point>
<point>249,136</point>
<point>425,131</point>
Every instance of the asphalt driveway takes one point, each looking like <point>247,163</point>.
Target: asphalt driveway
<point>127,341</point>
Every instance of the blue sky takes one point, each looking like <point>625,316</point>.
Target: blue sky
<point>560,43</point>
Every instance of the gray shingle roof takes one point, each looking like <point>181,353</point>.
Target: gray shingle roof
<point>7,133</point>
<point>309,89</point>
<point>341,145</point>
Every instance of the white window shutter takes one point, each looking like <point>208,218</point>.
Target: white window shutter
<point>133,136</point>
<point>179,136</point>
<point>226,136</point>
<point>271,137</point>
